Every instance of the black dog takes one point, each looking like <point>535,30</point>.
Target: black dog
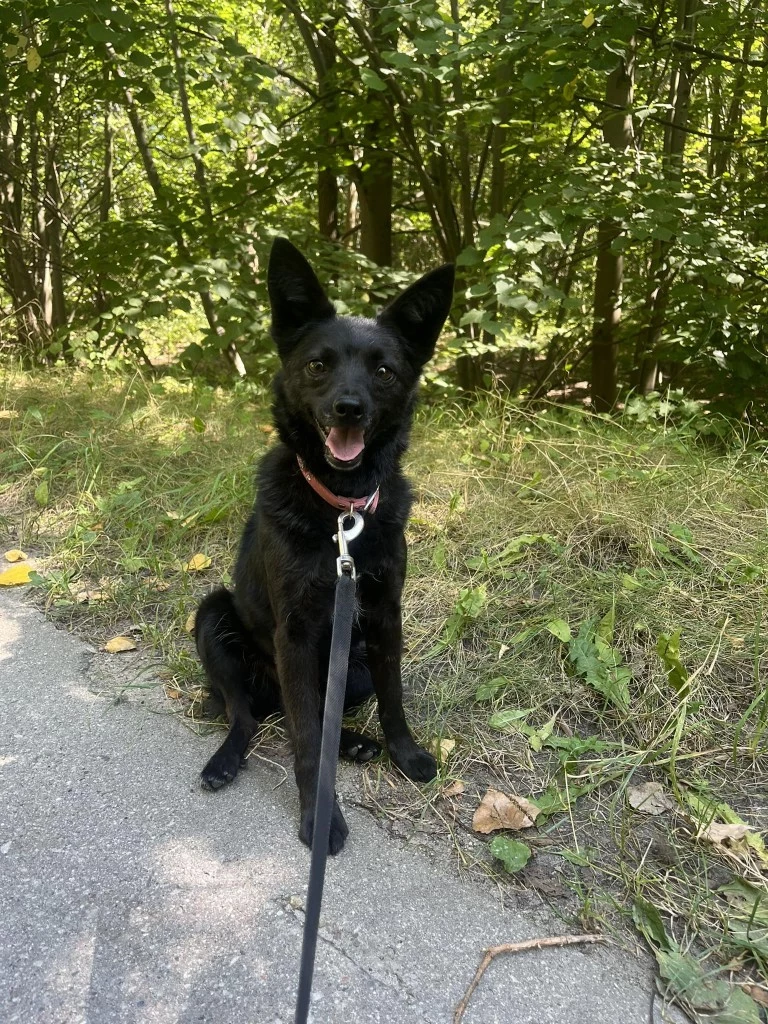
<point>343,404</point>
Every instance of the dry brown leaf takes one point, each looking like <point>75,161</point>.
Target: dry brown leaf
<point>197,563</point>
<point>267,428</point>
<point>90,596</point>
<point>173,694</point>
<point>442,749</point>
<point>189,625</point>
<point>758,993</point>
<point>650,798</point>
<point>16,575</point>
<point>722,835</point>
<point>118,644</point>
<point>455,788</point>
<point>497,810</point>
<point>159,585</point>
<point>15,555</point>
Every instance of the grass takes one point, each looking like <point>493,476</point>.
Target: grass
<point>585,611</point>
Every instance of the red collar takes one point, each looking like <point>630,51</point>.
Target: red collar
<point>367,504</point>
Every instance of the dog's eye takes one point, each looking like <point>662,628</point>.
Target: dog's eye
<point>384,373</point>
<point>315,367</point>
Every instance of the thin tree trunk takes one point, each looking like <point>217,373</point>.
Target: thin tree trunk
<point>161,198</point>
<point>20,282</point>
<point>609,270</point>
<point>376,179</point>
<point>673,156</point>
<point>327,179</point>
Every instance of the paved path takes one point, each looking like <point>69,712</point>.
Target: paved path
<point>130,896</point>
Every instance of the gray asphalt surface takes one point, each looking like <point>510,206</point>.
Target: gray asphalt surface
<point>128,894</point>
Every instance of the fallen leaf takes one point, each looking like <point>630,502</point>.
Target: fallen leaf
<point>8,414</point>
<point>189,625</point>
<point>455,788</point>
<point>650,798</point>
<point>721,834</point>
<point>497,810</point>
<point>197,563</point>
<point>90,596</point>
<point>15,576</point>
<point>15,555</point>
<point>760,995</point>
<point>159,585</point>
<point>502,651</point>
<point>442,749</point>
<point>118,644</point>
<point>173,694</point>
<point>267,428</point>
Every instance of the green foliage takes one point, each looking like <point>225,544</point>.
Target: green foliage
<point>599,663</point>
<point>167,169</point>
<point>513,854</point>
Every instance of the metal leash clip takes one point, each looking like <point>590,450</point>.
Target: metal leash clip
<point>345,563</point>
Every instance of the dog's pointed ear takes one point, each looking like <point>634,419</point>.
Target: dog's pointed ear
<point>418,313</point>
<point>296,296</point>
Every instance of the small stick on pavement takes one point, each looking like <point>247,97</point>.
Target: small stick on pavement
<point>518,947</point>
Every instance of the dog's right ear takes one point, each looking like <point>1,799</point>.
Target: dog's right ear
<point>296,296</point>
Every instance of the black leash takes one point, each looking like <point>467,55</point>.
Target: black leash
<point>341,638</point>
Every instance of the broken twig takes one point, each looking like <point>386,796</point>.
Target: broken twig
<point>518,947</point>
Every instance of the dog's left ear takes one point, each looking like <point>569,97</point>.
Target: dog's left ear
<point>418,313</point>
<point>295,294</point>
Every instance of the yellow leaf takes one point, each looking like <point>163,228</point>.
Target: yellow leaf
<point>118,644</point>
<point>497,810</point>
<point>569,89</point>
<point>15,555</point>
<point>197,563</point>
<point>189,625</point>
<point>13,577</point>
<point>589,21</point>
<point>34,59</point>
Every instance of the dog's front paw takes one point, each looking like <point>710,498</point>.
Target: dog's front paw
<point>221,769</point>
<point>412,760</point>
<point>337,835</point>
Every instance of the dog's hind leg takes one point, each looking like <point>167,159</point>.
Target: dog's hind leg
<point>239,674</point>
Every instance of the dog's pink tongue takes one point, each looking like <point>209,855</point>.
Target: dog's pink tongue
<point>345,443</point>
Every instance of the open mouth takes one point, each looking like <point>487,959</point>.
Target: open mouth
<point>343,446</point>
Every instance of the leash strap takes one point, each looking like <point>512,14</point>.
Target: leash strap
<point>343,614</point>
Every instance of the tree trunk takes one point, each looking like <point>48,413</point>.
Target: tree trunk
<point>20,283</point>
<point>376,179</point>
<point>609,270</point>
<point>161,198</point>
<point>327,179</point>
<point>673,155</point>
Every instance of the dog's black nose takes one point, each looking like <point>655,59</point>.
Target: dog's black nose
<point>348,408</point>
